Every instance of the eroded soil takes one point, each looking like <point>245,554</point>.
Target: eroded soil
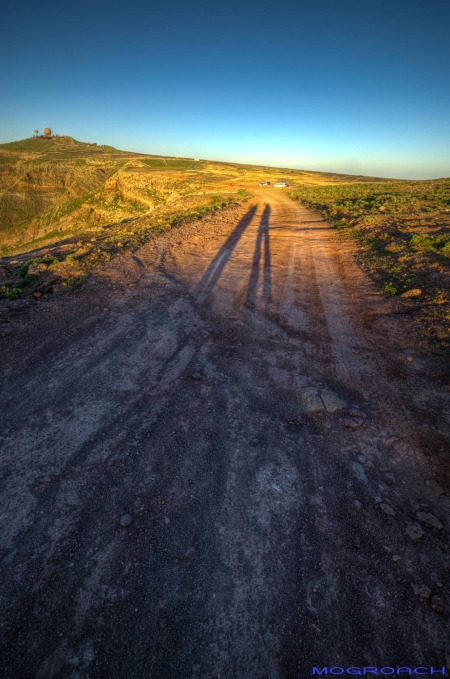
<point>241,391</point>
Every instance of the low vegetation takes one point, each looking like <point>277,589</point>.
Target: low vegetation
<point>97,201</point>
<point>403,232</point>
<point>57,188</point>
<point>74,261</point>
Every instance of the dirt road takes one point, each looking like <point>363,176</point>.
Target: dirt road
<point>242,394</point>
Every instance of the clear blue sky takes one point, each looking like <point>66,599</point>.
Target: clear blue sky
<point>346,86</point>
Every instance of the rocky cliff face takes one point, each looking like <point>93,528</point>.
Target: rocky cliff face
<point>60,187</point>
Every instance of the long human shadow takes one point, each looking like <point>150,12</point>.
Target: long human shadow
<point>214,270</point>
<point>262,241</point>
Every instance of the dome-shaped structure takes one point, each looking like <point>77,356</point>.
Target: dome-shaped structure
<point>48,132</point>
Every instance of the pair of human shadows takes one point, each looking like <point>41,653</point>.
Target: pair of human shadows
<point>215,269</point>
<point>262,244</point>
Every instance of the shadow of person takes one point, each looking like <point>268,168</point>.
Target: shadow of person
<point>215,269</point>
<point>262,245</point>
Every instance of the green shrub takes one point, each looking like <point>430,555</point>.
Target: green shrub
<point>75,282</point>
<point>6,292</point>
<point>389,289</point>
<point>423,242</point>
<point>22,269</point>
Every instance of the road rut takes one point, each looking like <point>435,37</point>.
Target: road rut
<point>241,391</point>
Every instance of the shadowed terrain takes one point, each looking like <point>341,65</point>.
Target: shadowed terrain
<point>224,457</point>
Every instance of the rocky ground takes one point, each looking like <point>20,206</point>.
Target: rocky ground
<point>223,457</point>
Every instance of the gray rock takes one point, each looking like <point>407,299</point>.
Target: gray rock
<point>422,591</point>
<point>331,402</point>
<point>429,519</point>
<point>190,551</point>
<point>434,487</point>
<point>314,399</point>
<point>310,399</point>
<point>249,305</point>
<point>359,472</point>
<point>387,510</point>
<point>196,376</point>
<point>126,520</point>
<point>396,557</point>
<point>390,478</point>
<point>415,531</point>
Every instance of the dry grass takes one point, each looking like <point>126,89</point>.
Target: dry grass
<point>50,188</point>
<point>403,233</point>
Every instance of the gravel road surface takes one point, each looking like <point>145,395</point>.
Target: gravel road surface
<point>224,458</point>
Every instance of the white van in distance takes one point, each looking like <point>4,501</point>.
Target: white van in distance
<point>280,185</point>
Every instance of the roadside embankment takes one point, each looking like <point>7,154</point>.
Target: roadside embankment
<point>402,230</point>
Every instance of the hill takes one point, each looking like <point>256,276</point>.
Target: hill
<point>61,186</point>
<point>67,206</point>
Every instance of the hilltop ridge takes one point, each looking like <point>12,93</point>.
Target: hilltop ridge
<point>56,185</point>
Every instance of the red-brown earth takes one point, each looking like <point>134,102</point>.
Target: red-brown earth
<point>240,391</point>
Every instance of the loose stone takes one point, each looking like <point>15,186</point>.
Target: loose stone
<point>36,269</point>
<point>125,520</point>
<point>310,399</point>
<point>415,531</point>
<point>415,292</point>
<point>360,473</point>
<point>422,591</point>
<point>314,399</point>
<point>429,519</point>
<point>352,423</point>
<point>437,604</point>
<point>331,401</point>
<point>387,510</point>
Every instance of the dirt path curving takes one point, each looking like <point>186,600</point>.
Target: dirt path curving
<point>242,393</point>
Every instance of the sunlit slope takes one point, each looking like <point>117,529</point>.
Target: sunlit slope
<point>60,186</point>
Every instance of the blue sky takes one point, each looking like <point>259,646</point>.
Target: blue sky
<point>358,87</point>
